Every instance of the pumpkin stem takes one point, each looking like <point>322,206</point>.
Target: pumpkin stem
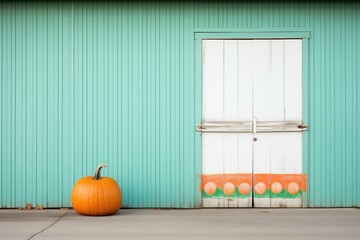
<point>97,172</point>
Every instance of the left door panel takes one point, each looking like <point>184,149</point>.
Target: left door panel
<point>226,157</point>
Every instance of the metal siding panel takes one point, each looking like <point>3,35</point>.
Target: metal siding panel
<point>6,107</point>
<point>31,116</point>
<point>19,103</point>
<point>306,116</point>
<point>161,42</point>
<point>194,192</point>
<point>141,109</point>
<point>325,58</point>
<point>349,101</point>
<point>13,126</point>
<point>2,178</point>
<point>145,132</point>
<point>158,151</point>
<point>67,105</point>
<point>357,99</point>
<point>100,91</point>
<point>337,108</point>
<point>72,99</point>
<point>357,62</point>
<point>182,106</point>
<point>41,101</point>
<point>344,113</point>
<point>343,107</point>
<point>322,104</point>
<point>112,98</point>
<point>152,106</point>
<point>132,108</point>
<point>52,108</point>
<point>330,112</point>
<point>188,128</point>
<point>125,107</point>
<point>78,109</point>
<point>174,122</point>
<point>315,108</point>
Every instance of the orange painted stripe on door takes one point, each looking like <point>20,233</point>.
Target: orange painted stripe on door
<point>284,179</point>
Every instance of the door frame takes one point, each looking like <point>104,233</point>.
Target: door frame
<point>251,34</point>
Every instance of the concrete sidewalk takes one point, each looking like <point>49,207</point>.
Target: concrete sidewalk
<point>183,224</point>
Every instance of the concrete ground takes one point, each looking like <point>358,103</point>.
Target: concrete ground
<point>183,224</point>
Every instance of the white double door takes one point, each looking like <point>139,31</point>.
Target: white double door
<point>251,123</point>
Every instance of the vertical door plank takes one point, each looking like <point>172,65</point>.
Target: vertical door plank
<point>262,110</point>
<point>230,81</point>
<point>230,168</point>
<point>245,155</point>
<point>261,78</point>
<point>286,169</point>
<point>245,113</point>
<point>276,81</point>
<point>230,114</point>
<point>213,110</point>
<point>213,74</point>
<point>261,165</point>
<point>292,147</point>
<point>292,151</point>
<point>245,82</point>
<point>293,80</point>
<point>278,161</point>
<point>277,113</point>
<point>212,155</point>
<point>213,165</point>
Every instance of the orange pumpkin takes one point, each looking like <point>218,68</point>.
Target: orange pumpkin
<point>229,188</point>
<point>293,188</point>
<point>96,195</point>
<point>210,188</point>
<point>260,188</point>
<point>276,188</point>
<point>244,188</point>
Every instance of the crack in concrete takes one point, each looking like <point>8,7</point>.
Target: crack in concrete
<point>35,234</point>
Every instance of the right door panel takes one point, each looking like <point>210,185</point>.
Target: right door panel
<point>277,95</point>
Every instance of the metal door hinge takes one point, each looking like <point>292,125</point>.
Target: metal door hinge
<point>200,127</point>
<point>303,126</point>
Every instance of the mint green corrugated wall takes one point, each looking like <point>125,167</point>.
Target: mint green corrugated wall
<point>83,84</point>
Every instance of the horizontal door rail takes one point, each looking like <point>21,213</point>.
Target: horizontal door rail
<point>230,127</point>
<point>251,127</point>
